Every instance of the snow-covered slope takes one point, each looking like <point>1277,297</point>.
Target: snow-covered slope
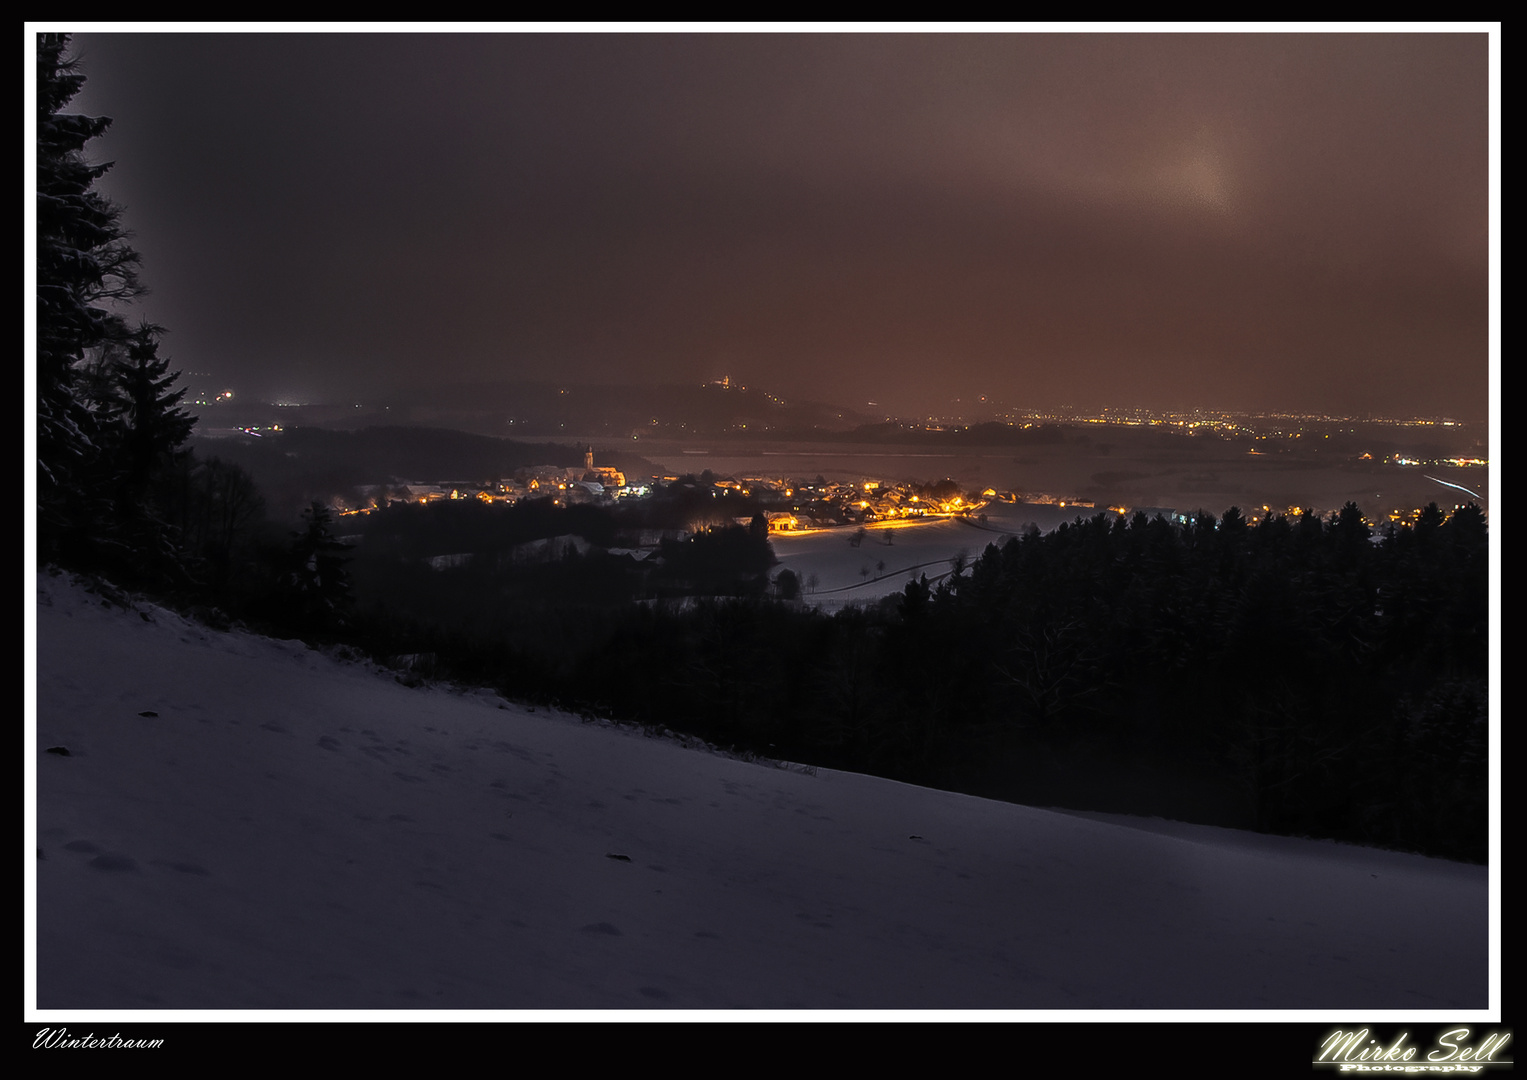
<point>242,823</point>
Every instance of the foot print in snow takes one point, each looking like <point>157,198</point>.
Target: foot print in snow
<point>409,778</point>
<point>601,928</point>
<point>114,862</point>
<point>271,725</point>
<point>329,742</point>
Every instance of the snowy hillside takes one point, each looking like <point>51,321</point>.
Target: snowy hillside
<point>240,823</point>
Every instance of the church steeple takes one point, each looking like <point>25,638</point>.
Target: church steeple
<point>588,458</point>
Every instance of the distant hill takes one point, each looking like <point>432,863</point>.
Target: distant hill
<point>541,409</point>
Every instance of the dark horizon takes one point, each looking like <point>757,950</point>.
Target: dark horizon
<point>1253,222</point>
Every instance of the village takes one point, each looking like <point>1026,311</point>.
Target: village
<point>787,505</point>
<point>831,542</point>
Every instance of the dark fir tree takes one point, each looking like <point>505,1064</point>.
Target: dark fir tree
<point>151,425</point>
<point>109,421</point>
<point>84,265</point>
<point>145,427</point>
<point>318,583</point>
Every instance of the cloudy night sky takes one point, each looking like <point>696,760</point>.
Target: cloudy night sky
<point>1241,221</point>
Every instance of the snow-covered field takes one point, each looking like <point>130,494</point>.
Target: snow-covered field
<point>241,823</point>
<point>892,553</point>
